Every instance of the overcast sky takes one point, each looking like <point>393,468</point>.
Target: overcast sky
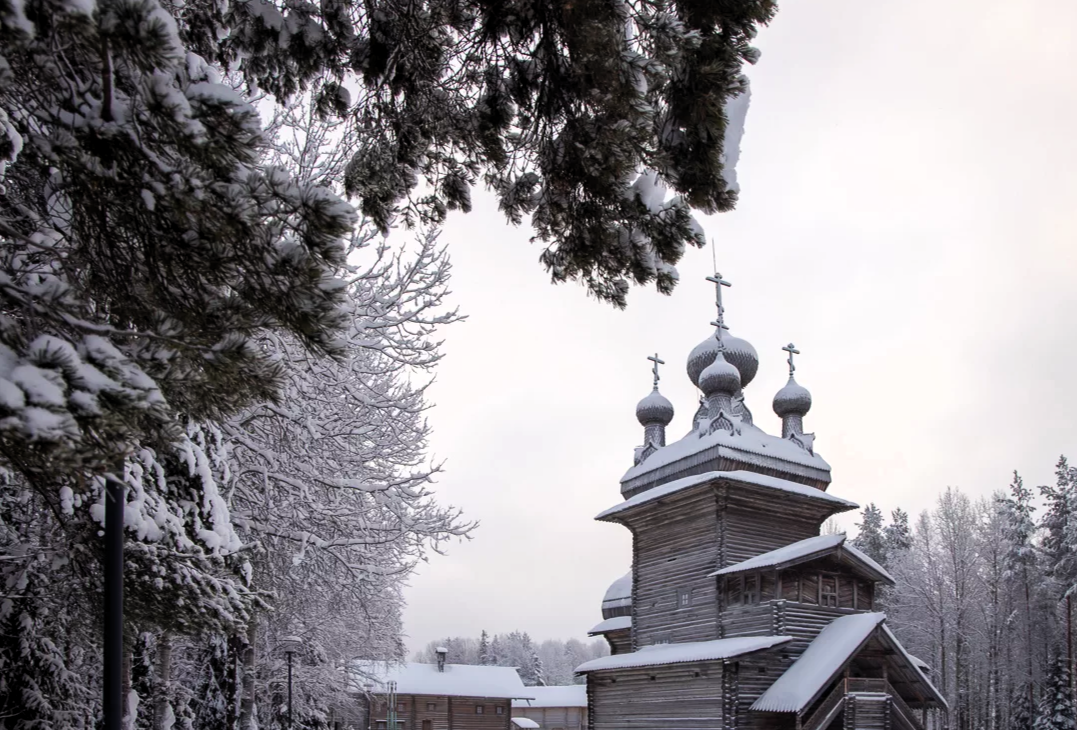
<point>907,217</point>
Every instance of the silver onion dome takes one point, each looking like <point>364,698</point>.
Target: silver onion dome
<point>655,408</point>
<point>792,400</point>
<point>738,353</point>
<point>719,377</point>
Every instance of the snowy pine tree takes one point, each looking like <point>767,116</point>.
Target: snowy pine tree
<point>1056,709</point>
<point>1022,709</point>
<point>897,537</point>
<point>484,648</point>
<point>871,538</point>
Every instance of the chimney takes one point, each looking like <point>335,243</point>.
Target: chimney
<point>441,652</point>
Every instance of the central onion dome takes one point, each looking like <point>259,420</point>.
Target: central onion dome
<point>720,376</point>
<point>654,409</point>
<point>738,353</point>
<point>792,400</point>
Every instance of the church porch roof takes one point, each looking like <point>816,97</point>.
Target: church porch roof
<point>811,549</point>
<point>695,651</point>
<point>611,624</point>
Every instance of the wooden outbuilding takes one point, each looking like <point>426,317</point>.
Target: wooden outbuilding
<point>554,708</point>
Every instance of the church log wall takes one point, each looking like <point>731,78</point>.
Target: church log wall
<point>753,532</point>
<point>675,548</point>
<point>677,696</point>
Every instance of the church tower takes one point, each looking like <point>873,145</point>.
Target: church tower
<point>737,612</point>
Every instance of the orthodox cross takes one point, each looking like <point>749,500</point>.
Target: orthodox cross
<point>792,350</point>
<point>719,282</point>
<point>654,368</point>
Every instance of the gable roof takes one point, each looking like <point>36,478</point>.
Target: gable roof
<point>458,680</point>
<point>820,662</point>
<point>611,624</point>
<point>571,695</point>
<point>810,549</point>
<point>746,477</point>
<point>695,651</point>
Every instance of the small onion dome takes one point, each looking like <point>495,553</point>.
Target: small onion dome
<point>738,352</point>
<point>719,377</point>
<point>654,409</point>
<point>792,400</point>
<point>618,598</point>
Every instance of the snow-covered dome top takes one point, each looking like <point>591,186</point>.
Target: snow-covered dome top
<point>618,598</point>
<point>719,377</point>
<point>739,353</point>
<point>792,400</point>
<point>654,409</point>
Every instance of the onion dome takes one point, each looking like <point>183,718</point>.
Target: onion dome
<point>719,377</point>
<point>655,409</point>
<point>792,400</point>
<point>618,598</point>
<point>738,352</point>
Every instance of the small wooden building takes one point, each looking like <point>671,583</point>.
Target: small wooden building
<point>737,612</point>
<point>554,708</point>
<point>438,696</point>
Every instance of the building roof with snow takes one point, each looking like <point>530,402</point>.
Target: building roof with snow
<point>456,680</point>
<point>571,695</point>
<point>617,623</point>
<point>813,548</point>
<point>525,723</point>
<point>693,651</point>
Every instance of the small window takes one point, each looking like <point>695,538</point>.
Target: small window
<point>428,725</point>
<point>499,710</point>
<point>684,598</point>
<point>401,707</point>
<point>479,709</point>
<point>828,592</point>
<point>431,706</point>
<point>382,724</point>
<point>663,638</point>
<point>751,589</point>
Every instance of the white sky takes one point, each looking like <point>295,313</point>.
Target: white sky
<point>906,218</point>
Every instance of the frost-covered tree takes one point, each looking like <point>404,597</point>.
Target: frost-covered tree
<point>871,538</point>
<point>558,107</point>
<point>1022,710</point>
<point>484,648</point>
<point>897,537</point>
<point>1020,558</point>
<point>1056,708</point>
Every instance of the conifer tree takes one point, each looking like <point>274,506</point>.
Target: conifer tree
<point>871,538</point>
<point>897,537</point>
<point>1022,709</point>
<point>1056,709</point>
<point>484,648</point>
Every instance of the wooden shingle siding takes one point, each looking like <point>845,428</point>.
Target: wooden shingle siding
<point>672,697</point>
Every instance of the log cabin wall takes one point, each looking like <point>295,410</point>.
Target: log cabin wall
<point>672,697</point>
<point>448,713</point>
<point>555,718</point>
<point>755,674</point>
<point>620,641</point>
<point>751,532</point>
<point>675,548</point>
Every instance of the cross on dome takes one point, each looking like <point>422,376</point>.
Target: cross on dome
<point>792,350</point>
<point>719,282</point>
<point>654,368</point>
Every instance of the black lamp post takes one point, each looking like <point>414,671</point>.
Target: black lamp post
<point>291,645</point>
<point>112,654</point>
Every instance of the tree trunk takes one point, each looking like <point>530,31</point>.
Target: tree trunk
<point>130,709</point>
<point>164,677</point>
<point>246,705</point>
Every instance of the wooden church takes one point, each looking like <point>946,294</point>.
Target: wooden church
<point>737,612</point>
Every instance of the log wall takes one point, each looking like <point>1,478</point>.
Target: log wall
<point>449,713</point>
<point>672,697</point>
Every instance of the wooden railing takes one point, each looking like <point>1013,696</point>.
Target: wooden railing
<point>859,684</point>
<point>826,712</point>
<point>905,712</point>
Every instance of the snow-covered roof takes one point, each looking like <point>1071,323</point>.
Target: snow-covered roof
<point>696,651</point>
<point>570,695</point>
<point>805,550</point>
<point>619,594</point>
<point>751,438</point>
<point>458,680</point>
<point>918,665</point>
<point>747,477</point>
<point>611,624</point>
<point>816,667</point>
<point>525,722</point>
